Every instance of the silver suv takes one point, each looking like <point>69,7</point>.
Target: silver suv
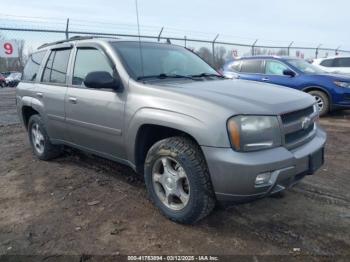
<point>196,137</point>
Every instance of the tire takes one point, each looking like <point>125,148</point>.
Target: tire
<point>322,99</point>
<point>40,141</point>
<point>185,160</point>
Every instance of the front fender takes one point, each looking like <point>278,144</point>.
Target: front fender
<point>152,116</point>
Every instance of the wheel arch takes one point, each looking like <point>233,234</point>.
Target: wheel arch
<point>322,89</point>
<point>27,112</point>
<point>147,135</point>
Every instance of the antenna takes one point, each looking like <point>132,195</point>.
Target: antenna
<point>138,29</point>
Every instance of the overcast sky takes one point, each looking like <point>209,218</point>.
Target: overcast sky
<point>307,22</point>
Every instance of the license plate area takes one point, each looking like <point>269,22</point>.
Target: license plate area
<point>316,160</point>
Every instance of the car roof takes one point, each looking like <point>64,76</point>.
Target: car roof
<point>265,57</point>
<point>89,39</point>
<point>330,57</point>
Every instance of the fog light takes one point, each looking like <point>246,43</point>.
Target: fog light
<point>262,178</point>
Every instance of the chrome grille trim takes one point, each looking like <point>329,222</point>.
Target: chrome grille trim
<point>292,125</point>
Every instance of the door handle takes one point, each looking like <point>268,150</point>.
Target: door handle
<point>39,94</point>
<point>73,100</point>
<point>265,79</point>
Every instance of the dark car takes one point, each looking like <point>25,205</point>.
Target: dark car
<point>330,91</point>
<point>2,81</point>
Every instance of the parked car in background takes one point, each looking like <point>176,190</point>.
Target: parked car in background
<point>338,65</point>
<point>331,91</point>
<point>13,79</point>
<point>195,136</point>
<point>2,81</point>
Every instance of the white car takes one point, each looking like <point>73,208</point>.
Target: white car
<point>337,64</point>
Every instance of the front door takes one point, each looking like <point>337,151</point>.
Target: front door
<point>94,117</point>
<point>274,74</point>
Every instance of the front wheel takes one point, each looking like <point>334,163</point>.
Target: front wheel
<point>322,101</point>
<point>177,180</point>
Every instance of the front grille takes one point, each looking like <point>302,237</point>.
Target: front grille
<point>299,126</point>
<point>296,115</point>
<point>290,138</point>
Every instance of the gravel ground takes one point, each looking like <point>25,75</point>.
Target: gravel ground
<point>80,204</point>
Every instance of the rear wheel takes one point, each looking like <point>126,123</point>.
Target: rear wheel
<point>177,180</point>
<point>322,101</point>
<point>40,141</point>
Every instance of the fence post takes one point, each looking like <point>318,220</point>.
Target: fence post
<point>336,50</point>
<point>160,33</point>
<point>316,53</point>
<point>253,46</point>
<point>288,48</point>
<point>67,29</point>
<point>213,48</point>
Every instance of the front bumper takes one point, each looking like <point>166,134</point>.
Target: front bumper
<point>233,173</point>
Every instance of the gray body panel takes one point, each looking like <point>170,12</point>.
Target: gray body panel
<point>106,122</point>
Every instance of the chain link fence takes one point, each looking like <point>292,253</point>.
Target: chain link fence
<point>213,51</point>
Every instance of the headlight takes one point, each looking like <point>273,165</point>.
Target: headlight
<point>342,84</point>
<point>250,133</point>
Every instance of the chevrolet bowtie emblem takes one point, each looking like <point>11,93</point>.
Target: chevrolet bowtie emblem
<point>305,123</point>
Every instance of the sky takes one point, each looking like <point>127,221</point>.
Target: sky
<point>272,22</point>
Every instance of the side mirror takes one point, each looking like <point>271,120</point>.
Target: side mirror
<point>101,79</point>
<point>288,72</point>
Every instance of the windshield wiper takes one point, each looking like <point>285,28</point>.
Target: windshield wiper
<point>208,75</point>
<point>163,76</point>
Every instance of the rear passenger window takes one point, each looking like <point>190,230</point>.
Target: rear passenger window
<point>56,67</point>
<point>327,63</point>
<point>342,62</point>
<point>252,66</point>
<point>89,60</point>
<point>31,69</point>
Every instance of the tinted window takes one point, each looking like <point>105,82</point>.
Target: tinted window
<point>342,62</point>
<point>31,69</point>
<point>235,66</point>
<point>274,68</point>
<point>56,67</point>
<point>87,61</point>
<point>327,63</point>
<point>251,66</point>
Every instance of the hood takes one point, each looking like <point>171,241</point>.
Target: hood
<point>339,77</point>
<point>242,96</point>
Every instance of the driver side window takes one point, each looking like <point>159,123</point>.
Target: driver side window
<point>274,68</point>
<point>89,60</point>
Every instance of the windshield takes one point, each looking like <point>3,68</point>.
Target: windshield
<point>160,60</point>
<point>305,67</point>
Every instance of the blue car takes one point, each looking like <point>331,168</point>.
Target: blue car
<point>330,91</point>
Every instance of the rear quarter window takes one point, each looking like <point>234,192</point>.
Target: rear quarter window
<point>235,66</point>
<point>30,71</point>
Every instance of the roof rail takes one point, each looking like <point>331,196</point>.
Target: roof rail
<point>73,38</point>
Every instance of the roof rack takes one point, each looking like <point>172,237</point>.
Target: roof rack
<point>73,38</point>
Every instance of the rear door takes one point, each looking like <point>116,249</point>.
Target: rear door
<point>94,116</point>
<point>52,90</point>
<point>342,65</point>
<point>252,69</point>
